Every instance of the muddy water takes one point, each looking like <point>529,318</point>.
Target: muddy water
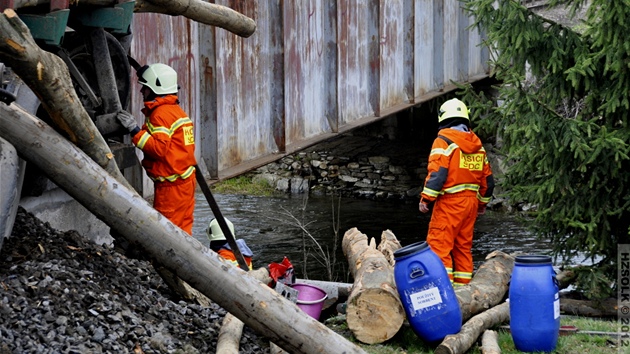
<point>270,226</point>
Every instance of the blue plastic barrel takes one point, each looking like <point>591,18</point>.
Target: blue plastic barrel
<point>426,292</point>
<point>534,304</point>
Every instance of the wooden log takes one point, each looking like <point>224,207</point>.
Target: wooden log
<point>230,335</point>
<point>374,313</point>
<point>488,286</point>
<point>388,245</point>
<point>202,12</point>
<point>274,349</point>
<point>48,77</point>
<point>232,328</point>
<point>196,10</point>
<point>490,342</point>
<point>471,330</point>
<point>566,278</point>
<point>126,212</point>
<point>589,308</point>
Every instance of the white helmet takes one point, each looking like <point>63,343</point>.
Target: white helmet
<point>214,232</point>
<point>160,78</point>
<point>453,108</point>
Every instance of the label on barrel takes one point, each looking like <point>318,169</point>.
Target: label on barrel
<point>425,298</point>
<point>556,307</point>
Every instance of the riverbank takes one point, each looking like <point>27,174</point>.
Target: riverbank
<point>353,165</point>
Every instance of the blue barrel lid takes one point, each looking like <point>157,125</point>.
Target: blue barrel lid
<point>533,259</point>
<point>410,249</point>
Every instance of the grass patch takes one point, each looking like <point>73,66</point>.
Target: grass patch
<point>406,341</point>
<point>245,184</point>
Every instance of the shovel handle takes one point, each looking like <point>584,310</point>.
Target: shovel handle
<point>220,219</point>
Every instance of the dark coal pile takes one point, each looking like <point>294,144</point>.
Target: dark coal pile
<point>61,293</point>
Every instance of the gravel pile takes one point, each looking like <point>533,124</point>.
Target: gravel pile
<point>60,293</point>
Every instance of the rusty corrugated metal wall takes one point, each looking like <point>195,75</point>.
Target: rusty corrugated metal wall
<point>312,69</point>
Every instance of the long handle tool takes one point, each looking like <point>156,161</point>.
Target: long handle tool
<point>217,214</point>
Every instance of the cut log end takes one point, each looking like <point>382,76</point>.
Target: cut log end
<point>375,316</point>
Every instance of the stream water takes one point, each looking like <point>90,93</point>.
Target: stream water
<point>270,226</point>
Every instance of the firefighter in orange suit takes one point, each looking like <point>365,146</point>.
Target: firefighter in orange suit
<point>460,183</point>
<point>219,244</point>
<point>168,144</point>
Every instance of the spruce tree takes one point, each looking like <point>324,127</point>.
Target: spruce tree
<point>563,123</point>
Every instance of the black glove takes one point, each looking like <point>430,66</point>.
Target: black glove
<point>128,121</point>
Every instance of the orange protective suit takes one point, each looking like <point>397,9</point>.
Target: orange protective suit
<point>229,255</point>
<point>168,143</point>
<point>460,182</point>
<point>226,252</point>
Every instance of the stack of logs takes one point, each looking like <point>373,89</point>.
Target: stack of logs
<point>375,313</point>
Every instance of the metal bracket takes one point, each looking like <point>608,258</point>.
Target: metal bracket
<point>49,27</point>
<point>117,18</point>
<point>287,292</point>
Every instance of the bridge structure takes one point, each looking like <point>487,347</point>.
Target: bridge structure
<point>312,70</point>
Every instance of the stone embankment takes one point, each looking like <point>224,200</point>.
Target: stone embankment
<point>360,167</point>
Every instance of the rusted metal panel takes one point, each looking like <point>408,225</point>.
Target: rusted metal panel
<point>207,128</point>
<point>308,69</point>
<point>246,86</point>
<point>463,44</point>
<point>451,43</point>
<point>311,69</point>
<point>428,46</point>
<point>357,31</point>
<point>478,54</point>
<point>393,42</point>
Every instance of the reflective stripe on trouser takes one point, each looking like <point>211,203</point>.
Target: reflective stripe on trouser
<point>449,272</point>
<point>176,201</point>
<point>451,232</point>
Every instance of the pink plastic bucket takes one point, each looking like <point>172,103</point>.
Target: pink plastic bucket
<point>310,299</point>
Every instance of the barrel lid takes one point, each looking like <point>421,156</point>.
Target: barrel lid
<point>410,249</point>
<point>533,259</point>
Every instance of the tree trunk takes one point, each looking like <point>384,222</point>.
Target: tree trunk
<point>488,286</point>
<point>374,313</point>
<point>232,328</point>
<point>566,278</point>
<point>490,342</point>
<point>48,77</point>
<point>589,308</point>
<point>202,12</point>
<point>230,335</point>
<point>274,349</point>
<point>388,245</point>
<point>120,207</point>
<point>471,330</point>
<point>196,10</point>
